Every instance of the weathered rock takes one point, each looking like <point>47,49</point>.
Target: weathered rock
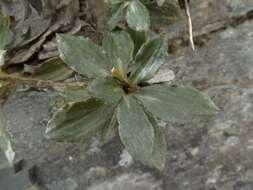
<point>129,182</point>
<point>226,58</point>
<point>211,15</point>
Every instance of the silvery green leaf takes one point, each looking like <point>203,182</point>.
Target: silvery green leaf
<point>73,93</point>
<point>109,131</point>
<point>158,157</point>
<point>139,38</point>
<point>83,56</point>
<point>135,130</point>
<point>79,120</point>
<point>53,69</point>
<point>5,36</point>
<point>166,14</point>
<point>106,89</point>
<point>114,1</point>
<point>137,16</point>
<point>149,59</point>
<point>175,103</point>
<point>119,47</point>
<point>115,16</point>
<point>6,144</point>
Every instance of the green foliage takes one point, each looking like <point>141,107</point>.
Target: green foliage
<point>53,69</point>
<point>175,103</point>
<point>148,60</point>
<point>6,144</point>
<point>80,120</point>
<point>119,98</point>
<point>4,31</point>
<point>5,36</point>
<point>139,14</point>
<point>119,48</point>
<point>92,63</point>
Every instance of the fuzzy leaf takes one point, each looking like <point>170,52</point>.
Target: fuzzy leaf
<point>137,16</point>
<point>139,38</point>
<point>79,120</point>
<point>135,130</point>
<point>166,14</point>
<point>4,31</point>
<point>149,59</point>
<point>53,69</point>
<point>6,144</point>
<point>119,47</point>
<point>5,36</point>
<point>74,93</point>
<point>114,1</point>
<point>158,157</point>
<point>115,15</point>
<point>109,131</point>
<point>83,56</point>
<point>179,104</point>
<point>106,89</point>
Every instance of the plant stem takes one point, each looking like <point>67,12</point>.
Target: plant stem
<point>38,82</point>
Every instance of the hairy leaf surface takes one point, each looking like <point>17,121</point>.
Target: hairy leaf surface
<point>138,37</point>
<point>109,131</point>
<point>4,31</point>
<point>119,47</point>
<point>74,93</point>
<point>174,103</point>
<point>137,16</point>
<point>106,89</point>
<point>83,56</point>
<point>114,17</point>
<point>135,129</point>
<point>149,59</point>
<point>53,69</point>
<point>114,1</point>
<point>79,120</point>
<point>158,157</point>
<point>6,144</point>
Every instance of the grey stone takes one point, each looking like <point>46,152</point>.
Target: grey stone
<point>126,159</point>
<point>232,141</point>
<point>129,182</point>
<point>211,15</point>
<point>68,184</point>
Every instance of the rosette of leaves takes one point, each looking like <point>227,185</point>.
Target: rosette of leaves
<point>120,100</point>
<point>139,13</point>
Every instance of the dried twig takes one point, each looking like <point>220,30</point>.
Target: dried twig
<point>189,21</point>
<point>37,82</point>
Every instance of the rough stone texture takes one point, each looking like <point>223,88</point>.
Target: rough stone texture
<point>212,155</point>
<point>211,15</point>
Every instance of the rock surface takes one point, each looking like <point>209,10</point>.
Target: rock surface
<point>212,155</point>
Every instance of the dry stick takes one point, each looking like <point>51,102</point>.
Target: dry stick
<point>39,83</point>
<point>189,21</point>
